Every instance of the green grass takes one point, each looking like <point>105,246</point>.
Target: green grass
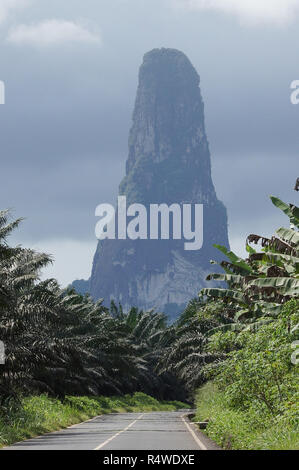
<point>40,414</point>
<point>234,429</point>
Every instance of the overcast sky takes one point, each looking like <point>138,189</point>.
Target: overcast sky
<point>70,70</point>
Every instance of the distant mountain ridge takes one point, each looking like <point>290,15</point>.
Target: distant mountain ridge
<point>81,286</point>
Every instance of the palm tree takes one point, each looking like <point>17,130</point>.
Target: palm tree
<point>61,342</point>
<point>187,354</point>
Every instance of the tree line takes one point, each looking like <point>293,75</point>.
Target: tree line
<point>63,343</point>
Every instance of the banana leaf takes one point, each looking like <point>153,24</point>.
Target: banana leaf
<point>289,236</point>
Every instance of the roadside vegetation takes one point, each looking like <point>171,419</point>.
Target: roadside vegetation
<point>62,343</point>
<point>238,344</point>
<point>234,347</point>
<point>37,415</point>
<point>252,399</point>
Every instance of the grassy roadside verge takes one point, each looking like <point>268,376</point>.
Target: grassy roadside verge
<point>236,430</point>
<point>41,414</point>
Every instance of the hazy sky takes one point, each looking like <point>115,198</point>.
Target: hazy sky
<point>70,70</point>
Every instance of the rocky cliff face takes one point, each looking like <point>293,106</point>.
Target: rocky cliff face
<point>169,162</point>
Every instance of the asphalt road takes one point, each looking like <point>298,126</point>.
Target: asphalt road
<point>127,431</point>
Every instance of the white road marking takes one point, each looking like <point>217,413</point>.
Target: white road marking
<point>195,437</point>
<point>118,434</point>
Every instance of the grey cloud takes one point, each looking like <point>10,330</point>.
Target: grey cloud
<point>64,128</point>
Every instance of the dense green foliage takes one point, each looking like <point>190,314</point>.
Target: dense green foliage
<point>260,285</point>
<point>235,429</point>
<point>188,355</point>
<point>253,401</point>
<point>62,343</point>
<point>240,338</point>
<point>258,374</point>
<point>40,414</point>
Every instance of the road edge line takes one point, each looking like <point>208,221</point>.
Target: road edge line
<point>192,432</point>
